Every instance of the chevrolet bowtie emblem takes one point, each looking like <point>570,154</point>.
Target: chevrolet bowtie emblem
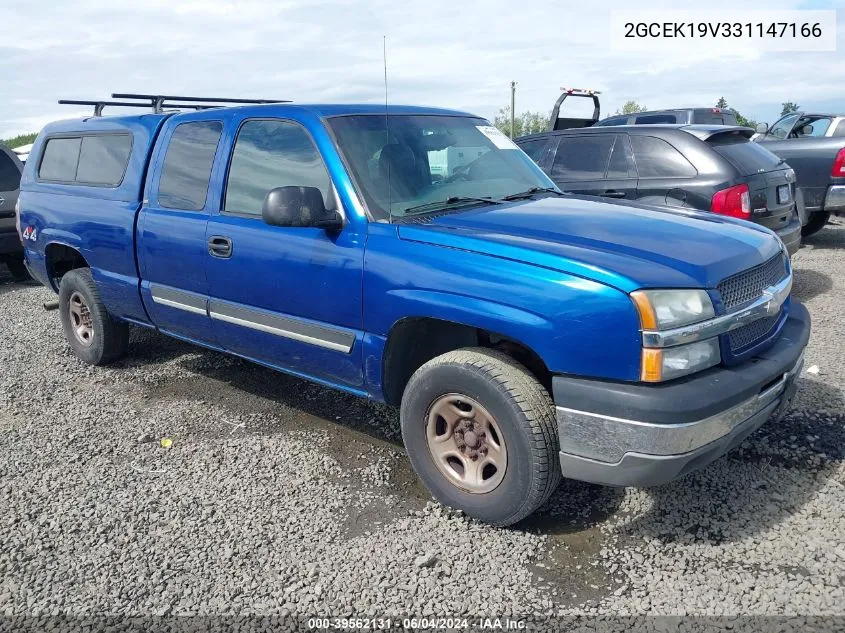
<point>775,301</point>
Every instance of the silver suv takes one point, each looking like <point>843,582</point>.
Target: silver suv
<point>682,116</point>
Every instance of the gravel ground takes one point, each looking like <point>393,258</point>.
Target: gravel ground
<point>278,496</point>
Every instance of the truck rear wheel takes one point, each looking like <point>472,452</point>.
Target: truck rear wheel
<point>815,223</point>
<point>94,336</point>
<point>480,431</point>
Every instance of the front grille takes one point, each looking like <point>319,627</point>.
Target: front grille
<point>747,335</point>
<point>749,284</point>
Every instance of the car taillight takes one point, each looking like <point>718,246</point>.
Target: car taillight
<point>733,201</point>
<point>838,170</point>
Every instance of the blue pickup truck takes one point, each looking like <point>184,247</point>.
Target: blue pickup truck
<point>416,256</point>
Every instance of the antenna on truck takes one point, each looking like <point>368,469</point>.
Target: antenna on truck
<point>159,103</point>
<point>387,130</point>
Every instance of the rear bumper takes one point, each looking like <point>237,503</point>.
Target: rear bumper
<point>834,199</point>
<point>790,235</point>
<point>645,435</point>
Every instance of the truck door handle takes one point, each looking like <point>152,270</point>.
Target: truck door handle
<point>610,193</point>
<point>219,246</point>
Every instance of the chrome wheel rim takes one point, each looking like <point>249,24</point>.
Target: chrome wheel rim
<point>80,320</point>
<point>466,443</point>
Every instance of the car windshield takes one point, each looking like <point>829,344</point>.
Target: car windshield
<point>413,164</point>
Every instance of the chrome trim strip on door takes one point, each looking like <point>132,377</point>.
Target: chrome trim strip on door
<point>187,301</point>
<point>284,326</point>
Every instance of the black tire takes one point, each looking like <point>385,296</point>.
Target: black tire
<point>522,409</point>
<point>815,223</point>
<point>17,269</point>
<point>110,337</point>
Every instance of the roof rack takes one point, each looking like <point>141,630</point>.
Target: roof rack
<point>159,103</point>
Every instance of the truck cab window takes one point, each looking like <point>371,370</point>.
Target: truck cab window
<point>187,165</point>
<point>270,154</point>
<point>782,127</point>
<point>811,126</point>
<point>655,118</point>
<point>622,120</point>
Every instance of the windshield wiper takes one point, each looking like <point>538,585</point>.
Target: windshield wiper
<point>448,202</point>
<point>530,192</point>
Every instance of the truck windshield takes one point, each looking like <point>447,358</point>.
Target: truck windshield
<point>410,163</point>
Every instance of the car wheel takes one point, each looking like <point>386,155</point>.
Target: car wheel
<point>480,431</point>
<point>94,336</point>
<point>815,223</point>
<point>17,269</point>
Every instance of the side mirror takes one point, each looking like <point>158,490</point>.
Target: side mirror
<point>299,207</point>
<point>762,128</point>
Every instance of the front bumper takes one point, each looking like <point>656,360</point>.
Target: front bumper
<point>834,200</point>
<point>623,434</point>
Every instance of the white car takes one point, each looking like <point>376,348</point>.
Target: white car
<point>23,152</point>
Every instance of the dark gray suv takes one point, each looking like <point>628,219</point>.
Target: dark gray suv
<point>710,167</point>
<point>11,251</point>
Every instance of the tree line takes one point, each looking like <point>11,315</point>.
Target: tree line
<point>17,141</point>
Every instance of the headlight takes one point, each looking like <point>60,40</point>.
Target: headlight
<point>672,362</point>
<point>668,309</point>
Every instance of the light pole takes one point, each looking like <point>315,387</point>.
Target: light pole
<point>513,113</point>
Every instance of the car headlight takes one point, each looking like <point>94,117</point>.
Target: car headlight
<point>673,362</point>
<point>668,309</point>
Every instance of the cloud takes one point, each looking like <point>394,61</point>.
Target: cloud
<point>455,54</point>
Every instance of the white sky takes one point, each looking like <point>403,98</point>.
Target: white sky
<point>460,54</point>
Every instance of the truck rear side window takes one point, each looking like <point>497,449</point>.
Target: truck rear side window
<point>97,159</point>
<point>187,165</point>
<point>103,158</point>
<point>61,156</point>
<point>270,154</point>
<point>609,121</point>
<point>655,118</point>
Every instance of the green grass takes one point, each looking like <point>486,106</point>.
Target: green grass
<point>17,141</point>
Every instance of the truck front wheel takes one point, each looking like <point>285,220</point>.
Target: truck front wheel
<point>481,434</point>
<point>94,336</point>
